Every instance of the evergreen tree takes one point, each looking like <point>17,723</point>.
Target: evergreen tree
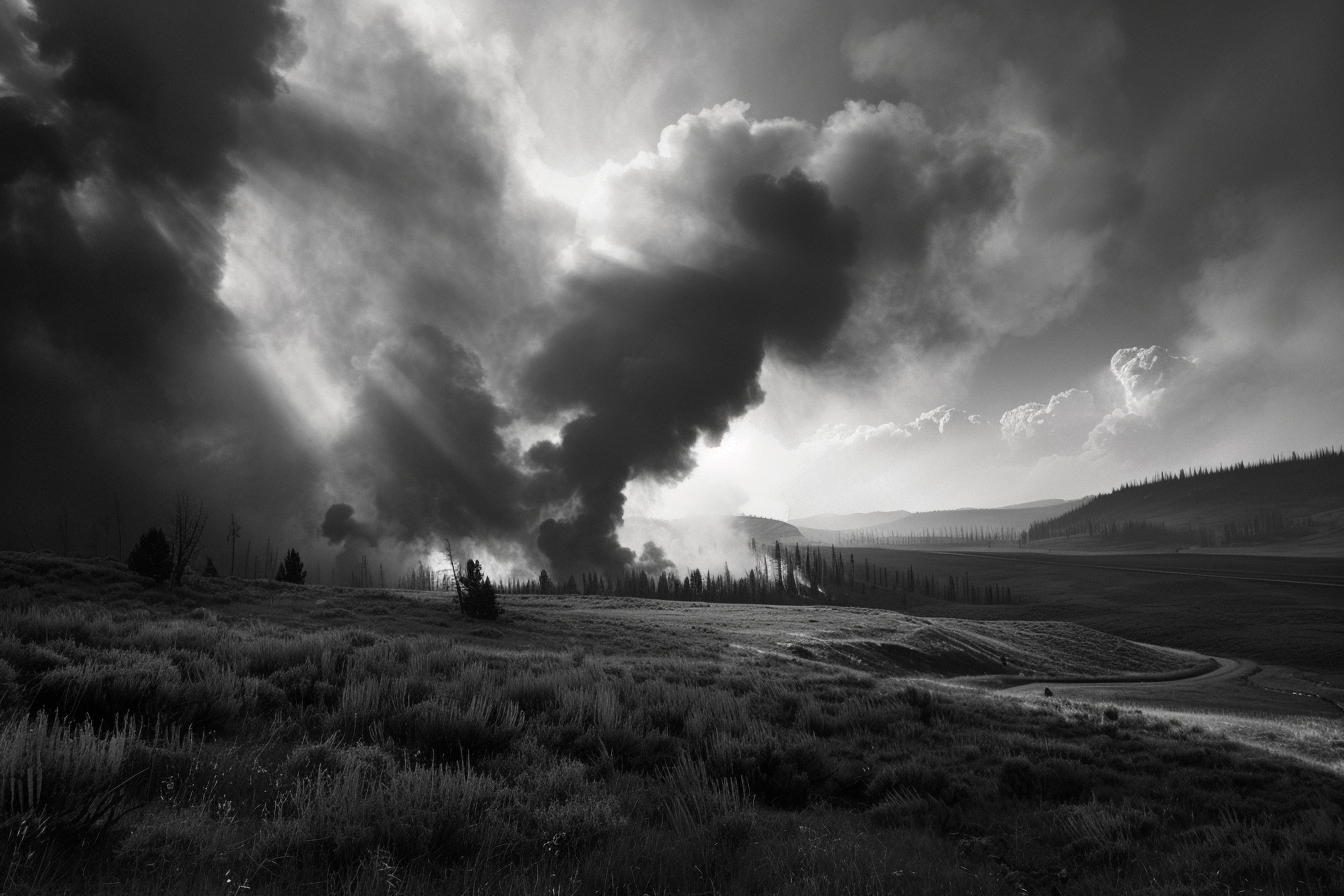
<point>152,556</point>
<point>210,572</point>
<point>291,570</point>
<point>478,593</point>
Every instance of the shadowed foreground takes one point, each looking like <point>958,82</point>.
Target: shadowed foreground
<point>266,738</point>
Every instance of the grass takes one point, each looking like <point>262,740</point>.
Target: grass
<point>250,738</point>
<point>1273,623</point>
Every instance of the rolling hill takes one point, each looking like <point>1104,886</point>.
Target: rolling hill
<point>1298,499</point>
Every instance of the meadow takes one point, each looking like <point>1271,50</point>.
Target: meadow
<point>260,737</point>
<point>1252,606</point>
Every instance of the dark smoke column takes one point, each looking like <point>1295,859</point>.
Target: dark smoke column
<point>654,360</point>
<point>118,362</point>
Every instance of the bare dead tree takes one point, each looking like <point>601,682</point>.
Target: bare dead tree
<point>232,538</point>
<point>457,583</point>
<point>188,527</point>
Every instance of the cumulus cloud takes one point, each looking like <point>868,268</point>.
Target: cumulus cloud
<point>943,419</point>
<point>1145,374</point>
<point>1059,426</point>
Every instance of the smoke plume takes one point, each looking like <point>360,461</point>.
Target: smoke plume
<point>652,360</point>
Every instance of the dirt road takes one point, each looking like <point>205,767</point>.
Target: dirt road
<point>1230,686</point>
<point>1227,669</point>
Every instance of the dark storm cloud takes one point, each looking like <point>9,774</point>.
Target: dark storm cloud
<point>905,181</point>
<point>428,433</point>
<point>653,360</point>
<point>118,369</point>
<point>153,86</point>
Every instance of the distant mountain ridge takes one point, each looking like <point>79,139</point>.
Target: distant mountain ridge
<point>1016,517</point>
<point>850,520</point>
<point>1044,502</point>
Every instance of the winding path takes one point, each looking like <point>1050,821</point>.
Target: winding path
<point>1226,670</point>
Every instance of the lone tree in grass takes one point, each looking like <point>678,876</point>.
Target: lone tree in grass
<point>152,556</point>
<point>476,593</point>
<point>292,569</point>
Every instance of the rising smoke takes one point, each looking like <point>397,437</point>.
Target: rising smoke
<point>655,360</point>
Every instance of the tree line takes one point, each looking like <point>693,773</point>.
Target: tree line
<point>780,574</point>
<point>946,536</point>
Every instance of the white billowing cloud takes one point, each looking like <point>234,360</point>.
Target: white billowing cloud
<point>1145,374</point>
<point>1059,427</point>
<point>674,204</point>
<point>943,419</point>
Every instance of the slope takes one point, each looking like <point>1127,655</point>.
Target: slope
<point>1298,499</point>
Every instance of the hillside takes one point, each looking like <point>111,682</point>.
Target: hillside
<point>1294,500</point>
<point>280,739</point>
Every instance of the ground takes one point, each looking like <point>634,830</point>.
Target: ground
<point>264,738</point>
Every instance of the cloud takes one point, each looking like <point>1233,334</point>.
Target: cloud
<point>426,440</point>
<point>117,361</point>
<point>363,290</point>
<point>1145,374</point>
<point>1058,427</point>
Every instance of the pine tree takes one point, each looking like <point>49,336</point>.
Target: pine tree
<point>152,556</point>
<point>291,570</point>
<point>210,572</point>
<point>478,593</point>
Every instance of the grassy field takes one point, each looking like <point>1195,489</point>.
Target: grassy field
<point>252,737</point>
<point>1227,609</point>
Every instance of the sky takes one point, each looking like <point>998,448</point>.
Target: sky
<point>371,275</point>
